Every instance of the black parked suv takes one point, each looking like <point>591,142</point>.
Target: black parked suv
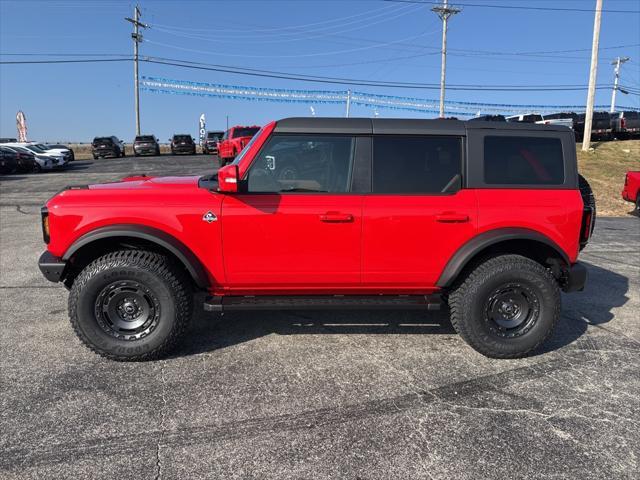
<point>72,155</point>
<point>183,143</point>
<point>489,118</point>
<point>210,145</point>
<point>601,125</point>
<point>146,145</point>
<point>107,147</point>
<point>625,124</point>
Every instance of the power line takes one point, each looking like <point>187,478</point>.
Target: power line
<point>316,79</point>
<point>84,60</point>
<point>361,82</point>
<point>516,7</point>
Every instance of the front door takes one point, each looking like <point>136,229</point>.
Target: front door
<point>295,227</point>
<point>417,215</point>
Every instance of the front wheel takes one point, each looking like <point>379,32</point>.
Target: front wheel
<point>131,305</point>
<point>506,307</point>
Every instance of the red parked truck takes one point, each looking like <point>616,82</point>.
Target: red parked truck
<point>233,141</point>
<point>320,213</point>
<point>631,190</point>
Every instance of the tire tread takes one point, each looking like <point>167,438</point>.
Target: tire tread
<point>155,263</point>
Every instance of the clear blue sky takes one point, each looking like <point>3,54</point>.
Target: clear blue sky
<point>362,39</point>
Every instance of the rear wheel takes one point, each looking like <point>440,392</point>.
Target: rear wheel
<point>131,305</point>
<point>506,307</point>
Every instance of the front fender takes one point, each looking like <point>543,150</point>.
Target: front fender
<point>149,234</point>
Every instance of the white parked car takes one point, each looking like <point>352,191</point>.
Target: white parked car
<point>45,161</point>
<point>65,152</point>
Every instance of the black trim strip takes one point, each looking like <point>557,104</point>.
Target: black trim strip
<point>170,243</point>
<point>474,246</point>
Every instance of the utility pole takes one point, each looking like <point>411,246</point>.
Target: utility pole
<point>137,38</point>
<point>444,11</point>
<point>588,117</point>
<point>617,62</point>
<point>348,103</point>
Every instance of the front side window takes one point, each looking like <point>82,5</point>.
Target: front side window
<point>523,161</point>
<point>303,163</point>
<point>416,164</point>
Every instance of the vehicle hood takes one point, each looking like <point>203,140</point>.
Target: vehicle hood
<point>142,182</point>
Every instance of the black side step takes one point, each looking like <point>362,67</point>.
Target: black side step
<point>322,302</point>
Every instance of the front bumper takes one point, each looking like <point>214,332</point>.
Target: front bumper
<point>51,266</point>
<point>575,279</point>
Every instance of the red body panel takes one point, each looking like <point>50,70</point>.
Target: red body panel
<point>408,239</point>
<point>297,241</point>
<point>314,242</point>
<point>174,205</point>
<point>631,188</point>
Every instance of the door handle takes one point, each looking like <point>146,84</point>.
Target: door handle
<point>452,218</point>
<point>335,217</point>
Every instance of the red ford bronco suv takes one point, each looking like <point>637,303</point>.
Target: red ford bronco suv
<point>344,213</point>
<point>233,141</point>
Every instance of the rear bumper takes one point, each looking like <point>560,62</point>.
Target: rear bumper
<point>145,150</point>
<point>51,266</point>
<point>576,278</point>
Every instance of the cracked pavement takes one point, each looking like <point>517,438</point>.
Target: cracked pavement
<point>364,395</point>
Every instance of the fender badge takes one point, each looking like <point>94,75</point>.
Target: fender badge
<point>209,217</point>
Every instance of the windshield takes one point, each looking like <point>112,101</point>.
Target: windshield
<point>145,138</point>
<point>182,138</point>
<point>102,140</point>
<point>214,135</point>
<point>245,132</point>
<point>35,149</point>
<point>238,159</point>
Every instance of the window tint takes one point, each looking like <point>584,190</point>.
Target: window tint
<point>523,161</point>
<point>245,131</point>
<point>416,164</point>
<point>303,163</point>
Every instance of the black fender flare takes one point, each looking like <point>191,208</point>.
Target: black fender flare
<point>478,243</point>
<point>149,234</point>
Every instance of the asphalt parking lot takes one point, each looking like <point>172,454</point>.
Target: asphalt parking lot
<point>313,394</point>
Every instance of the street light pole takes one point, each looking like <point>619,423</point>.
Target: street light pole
<point>444,11</point>
<point>617,62</point>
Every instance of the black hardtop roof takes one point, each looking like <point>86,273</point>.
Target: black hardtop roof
<point>408,126</point>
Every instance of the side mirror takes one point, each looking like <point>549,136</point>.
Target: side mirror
<point>228,179</point>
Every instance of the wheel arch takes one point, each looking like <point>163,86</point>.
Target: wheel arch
<point>104,239</point>
<point>528,243</point>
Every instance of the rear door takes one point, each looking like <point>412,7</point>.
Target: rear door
<point>297,226</point>
<point>417,215</point>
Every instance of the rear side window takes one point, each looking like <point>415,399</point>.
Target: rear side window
<point>418,165</point>
<point>523,161</point>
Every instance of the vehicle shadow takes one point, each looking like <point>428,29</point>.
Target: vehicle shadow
<point>605,290</point>
<point>214,331</point>
<point>13,176</point>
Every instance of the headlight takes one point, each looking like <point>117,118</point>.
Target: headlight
<point>45,224</point>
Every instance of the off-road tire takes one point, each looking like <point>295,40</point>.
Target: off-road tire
<point>469,300</point>
<point>168,286</point>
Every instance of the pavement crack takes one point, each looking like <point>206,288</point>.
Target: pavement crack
<point>161,433</point>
